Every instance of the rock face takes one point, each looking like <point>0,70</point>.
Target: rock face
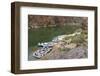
<point>36,21</point>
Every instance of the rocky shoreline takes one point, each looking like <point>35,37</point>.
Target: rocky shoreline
<point>59,48</point>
